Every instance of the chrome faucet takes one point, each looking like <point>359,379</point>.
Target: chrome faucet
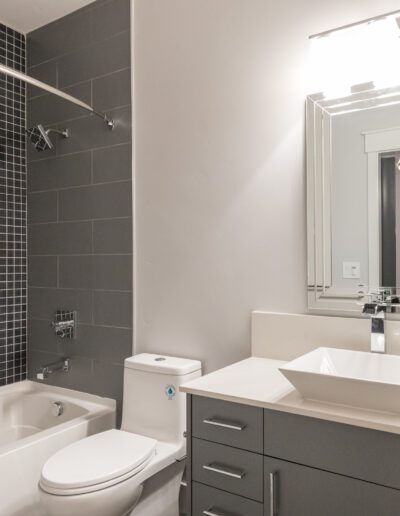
<point>63,365</point>
<point>377,313</point>
<point>381,302</point>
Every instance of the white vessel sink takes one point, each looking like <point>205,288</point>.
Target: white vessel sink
<point>355,378</point>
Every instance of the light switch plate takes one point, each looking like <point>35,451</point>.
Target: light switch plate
<point>351,270</point>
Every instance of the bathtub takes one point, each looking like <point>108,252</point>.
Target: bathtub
<point>31,431</point>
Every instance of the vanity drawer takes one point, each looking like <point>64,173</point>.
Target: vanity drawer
<point>208,501</point>
<point>349,450</point>
<point>236,471</point>
<point>229,423</point>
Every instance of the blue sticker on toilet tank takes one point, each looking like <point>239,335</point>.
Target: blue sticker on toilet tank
<point>170,391</point>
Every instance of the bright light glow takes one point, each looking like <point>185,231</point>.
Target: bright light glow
<point>360,54</point>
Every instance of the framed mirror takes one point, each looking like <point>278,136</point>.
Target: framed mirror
<point>353,197</point>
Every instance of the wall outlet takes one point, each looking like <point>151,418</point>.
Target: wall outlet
<point>351,270</point>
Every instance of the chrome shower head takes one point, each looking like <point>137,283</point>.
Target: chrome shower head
<point>39,137</point>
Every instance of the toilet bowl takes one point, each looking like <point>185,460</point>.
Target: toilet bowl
<point>136,470</point>
<point>96,475</point>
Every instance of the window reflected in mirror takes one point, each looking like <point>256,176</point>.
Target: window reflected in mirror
<point>390,219</point>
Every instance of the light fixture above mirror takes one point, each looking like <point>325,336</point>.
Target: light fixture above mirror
<point>365,52</point>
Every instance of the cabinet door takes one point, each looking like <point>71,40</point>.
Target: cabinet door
<point>348,450</point>
<point>294,490</point>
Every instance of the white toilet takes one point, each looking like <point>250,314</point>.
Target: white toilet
<point>136,470</point>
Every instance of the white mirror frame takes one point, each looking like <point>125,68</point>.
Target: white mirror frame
<point>319,237</point>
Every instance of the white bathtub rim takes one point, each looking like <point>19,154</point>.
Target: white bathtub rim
<point>96,409</point>
<point>70,394</point>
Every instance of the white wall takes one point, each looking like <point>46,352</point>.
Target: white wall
<point>220,176</point>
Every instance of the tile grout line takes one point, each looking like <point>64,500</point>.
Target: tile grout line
<point>90,324</point>
<point>128,142</point>
<point>78,221</point>
<point>95,78</point>
<point>78,187</point>
<point>85,46</point>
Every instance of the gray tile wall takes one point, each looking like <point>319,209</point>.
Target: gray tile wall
<point>80,198</point>
<point>13,267</point>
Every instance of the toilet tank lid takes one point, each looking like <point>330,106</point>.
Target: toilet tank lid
<point>162,364</point>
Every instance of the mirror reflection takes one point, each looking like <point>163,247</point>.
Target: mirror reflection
<point>353,162</point>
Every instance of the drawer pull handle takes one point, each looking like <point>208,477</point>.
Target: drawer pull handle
<point>224,424</point>
<point>215,512</point>
<point>272,495</point>
<point>228,472</point>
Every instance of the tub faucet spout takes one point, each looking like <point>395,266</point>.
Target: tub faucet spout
<point>63,365</point>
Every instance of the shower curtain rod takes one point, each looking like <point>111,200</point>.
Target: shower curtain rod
<point>50,89</point>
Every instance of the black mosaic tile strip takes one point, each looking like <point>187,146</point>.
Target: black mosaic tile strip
<point>13,208</point>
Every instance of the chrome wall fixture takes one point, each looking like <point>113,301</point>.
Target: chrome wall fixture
<point>63,366</point>
<point>50,89</point>
<point>64,324</point>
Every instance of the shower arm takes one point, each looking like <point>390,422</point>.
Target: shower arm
<point>64,133</point>
<point>50,89</point>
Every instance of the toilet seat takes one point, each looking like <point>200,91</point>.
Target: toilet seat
<point>96,462</point>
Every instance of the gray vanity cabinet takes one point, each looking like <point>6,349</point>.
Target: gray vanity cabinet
<point>295,490</point>
<point>246,461</point>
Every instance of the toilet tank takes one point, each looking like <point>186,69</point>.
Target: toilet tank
<point>153,405</point>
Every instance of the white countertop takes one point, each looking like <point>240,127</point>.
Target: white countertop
<point>258,382</point>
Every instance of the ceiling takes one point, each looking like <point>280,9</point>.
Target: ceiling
<point>27,15</point>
